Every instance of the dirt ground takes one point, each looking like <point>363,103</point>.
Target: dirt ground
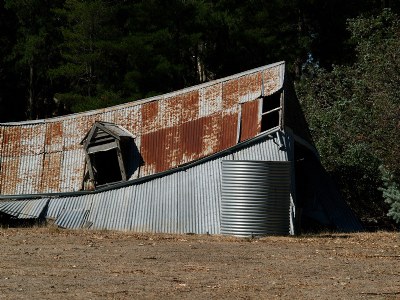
<point>49,263</point>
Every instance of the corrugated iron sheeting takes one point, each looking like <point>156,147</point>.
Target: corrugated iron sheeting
<point>273,149</point>
<point>24,209</point>
<point>72,219</point>
<point>250,123</point>
<point>173,129</point>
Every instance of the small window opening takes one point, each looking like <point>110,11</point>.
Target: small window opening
<point>105,167</point>
<point>271,111</point>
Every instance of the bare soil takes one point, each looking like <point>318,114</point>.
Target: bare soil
<point>49,263</point>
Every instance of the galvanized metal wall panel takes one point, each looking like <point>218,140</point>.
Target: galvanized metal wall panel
<point>72,219</point>
<point>33,208</point>
<point>24,209</point>
<point>29,174</point>
<point>255,198</point>
<point>56,206</point>
<point>273,149</point>
<point>73,170</point>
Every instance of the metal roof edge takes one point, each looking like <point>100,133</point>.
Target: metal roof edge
<point>258,138</point>
<point>146,100</point>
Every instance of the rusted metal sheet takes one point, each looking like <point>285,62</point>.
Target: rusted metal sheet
<point>10,169</point>
<point>51,172</point>
<point>210,100</point>
<point>54,137</point>
<point>250,120</point>
<point>1,154</point>
<point>169,130</point>
<point>273,79</point>
<point>250,87</point>
<point>230,94</point>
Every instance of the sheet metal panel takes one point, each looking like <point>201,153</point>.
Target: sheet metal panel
<point>1,155</point>
<point>13,208</point>
<point>51,172</point>
<point>24,209</point>
<point>72,219</point>
<point>272,149</point>
<point>273,79</point>
<point>210,101</point>
<point>29,174</point>
<point>9,168</point>
<point>72,171</point>
<point>56,206</point>
<point>250,121</point>
<point>250,87</point>
<point>33,208</point>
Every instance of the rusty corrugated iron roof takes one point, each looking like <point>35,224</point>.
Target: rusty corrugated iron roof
<point>45,156</point>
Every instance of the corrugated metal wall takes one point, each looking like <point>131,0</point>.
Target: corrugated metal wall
<point>182,202</point>
<point>45,156</point>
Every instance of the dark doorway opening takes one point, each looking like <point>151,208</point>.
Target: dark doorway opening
<point>106,166</point>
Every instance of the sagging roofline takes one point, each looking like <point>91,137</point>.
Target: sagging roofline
<point>150,99</point>
<point>264,135</point>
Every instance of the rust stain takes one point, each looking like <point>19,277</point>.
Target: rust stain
<point>250,87</point>
<point>51,172</point>
<point>153,150</point>
<point>54,137</point>
<point>74,130</point>
<point>228,133</point>
<point>10,169</point>
<point>250,124</point>
<point>149,116</point>
<point>230,92</point>
<point>211,99</point>
<point>190,105</point>
<point>171,112</point>
<point>271,80</point>
<point>191,139</point>
<point>12,141</point>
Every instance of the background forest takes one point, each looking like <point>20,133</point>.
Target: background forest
<point>63,56</point>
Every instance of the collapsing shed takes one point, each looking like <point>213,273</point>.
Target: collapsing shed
<point>158,164</point>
